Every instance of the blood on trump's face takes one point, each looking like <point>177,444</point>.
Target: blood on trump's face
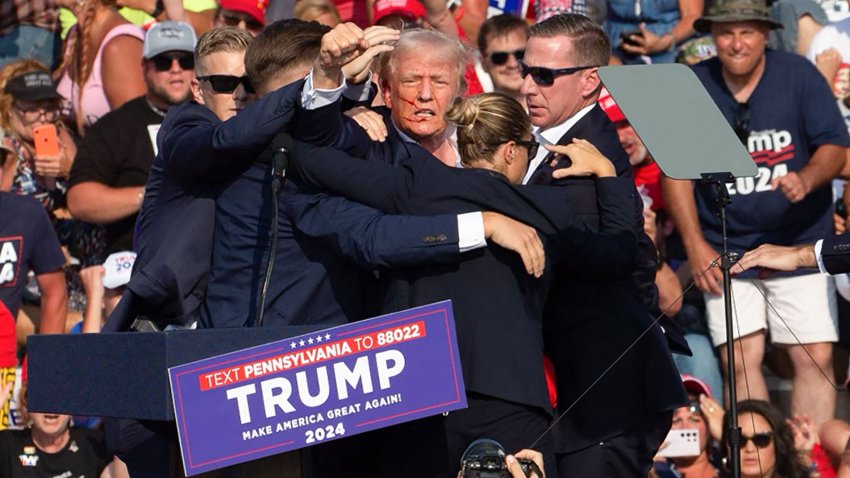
<point>420,92</point>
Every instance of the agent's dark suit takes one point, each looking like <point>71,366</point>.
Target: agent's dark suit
<point>198,154</point>
<point>835,251</point>
<point>588,323</point>
<point>497,305</point>
<point>321,242</point>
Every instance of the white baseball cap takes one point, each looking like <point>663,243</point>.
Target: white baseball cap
<point>118,267</point>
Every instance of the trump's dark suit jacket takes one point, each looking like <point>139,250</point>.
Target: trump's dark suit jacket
<point>589,322</point>
<point>497,305</point>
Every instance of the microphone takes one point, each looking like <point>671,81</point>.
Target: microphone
<point>282,145</point>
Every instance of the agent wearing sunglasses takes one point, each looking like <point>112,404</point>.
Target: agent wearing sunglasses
<point>221,83</point>
<point>561,85</point>
<point>107,183</point>
<point>175,224</point>
<point>767,443</point>
<point>501,41</point>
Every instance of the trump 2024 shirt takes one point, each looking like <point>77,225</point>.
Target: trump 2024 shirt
<point>791,113</point>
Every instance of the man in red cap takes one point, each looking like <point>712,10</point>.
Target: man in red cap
<point>399,14</point>
<point>245,14</point>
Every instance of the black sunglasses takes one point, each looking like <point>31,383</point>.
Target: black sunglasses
<point>232,19</point>
<point>742,121</point>
<point>760,440</point>
<point>501,57</point>
<point>546,76</point>
<point>532,146</point>
<point>164,62</point>
<point>228,83</point>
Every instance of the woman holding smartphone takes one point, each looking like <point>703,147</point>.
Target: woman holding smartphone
<point>37,157</point>
<point>30,108</point>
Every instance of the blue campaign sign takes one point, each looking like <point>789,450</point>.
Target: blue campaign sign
<point>313,388</point>
<point>514,7</point>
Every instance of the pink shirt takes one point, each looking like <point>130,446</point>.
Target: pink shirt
<point>95,103</point>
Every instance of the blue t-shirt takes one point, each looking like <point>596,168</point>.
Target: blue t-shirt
<point>27,242</point>
<point>792,113</point>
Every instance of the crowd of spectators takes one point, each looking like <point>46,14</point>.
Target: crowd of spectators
<point>86,85</point>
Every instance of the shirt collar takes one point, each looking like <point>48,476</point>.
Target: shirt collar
<point>452,129</point>
<point>552,136</point>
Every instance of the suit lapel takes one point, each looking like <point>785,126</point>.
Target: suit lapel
<point>543,174</point>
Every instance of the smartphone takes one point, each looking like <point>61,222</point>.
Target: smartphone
<point>46,140</point>
<point>628,39</point>
<point>681,442</point>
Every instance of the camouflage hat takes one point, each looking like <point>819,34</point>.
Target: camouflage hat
<point>726,11</point>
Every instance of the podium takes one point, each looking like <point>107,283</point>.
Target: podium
<point>126,374</point>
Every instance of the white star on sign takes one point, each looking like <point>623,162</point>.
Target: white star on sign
<point>310,341</point>
<point>292,345</point>
<point>301,343</point>
<point>327,336</point>
<point>318,339</point>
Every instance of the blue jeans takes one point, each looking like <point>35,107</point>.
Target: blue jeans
<point>703,365</point>
<point>27,41</point>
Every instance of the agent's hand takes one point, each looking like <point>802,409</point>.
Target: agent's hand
<point>516,236</point>
<point>516,470</point>
<point>586,160</point>
<point>370,121</point>
<point>778,258</point>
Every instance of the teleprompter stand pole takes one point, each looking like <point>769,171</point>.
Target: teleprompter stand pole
<point>663,103</point>
<point>727,259</point>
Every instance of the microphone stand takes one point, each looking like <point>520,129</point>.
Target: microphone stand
<point>279,163</point>
<point>727,259</point>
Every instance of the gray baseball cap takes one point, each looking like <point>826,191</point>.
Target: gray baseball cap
<point>168,36</point>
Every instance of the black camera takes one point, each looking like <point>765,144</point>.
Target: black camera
<point>485,458</point>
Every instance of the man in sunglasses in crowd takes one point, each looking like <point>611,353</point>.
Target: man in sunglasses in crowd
<point>501,41</point>
<point>600,435</point>
<point>786,117</point>
<point>107,181</point>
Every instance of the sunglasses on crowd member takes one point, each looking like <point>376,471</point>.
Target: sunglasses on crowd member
<point>760,440</point>
<point>33,110</point>
<point>228,83</point>
<point>546,76</point>
<point>163,62</point>
<point>233,19</point>
<point>501,57</point>
<point>532,146</point>
<point>742,122</point>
